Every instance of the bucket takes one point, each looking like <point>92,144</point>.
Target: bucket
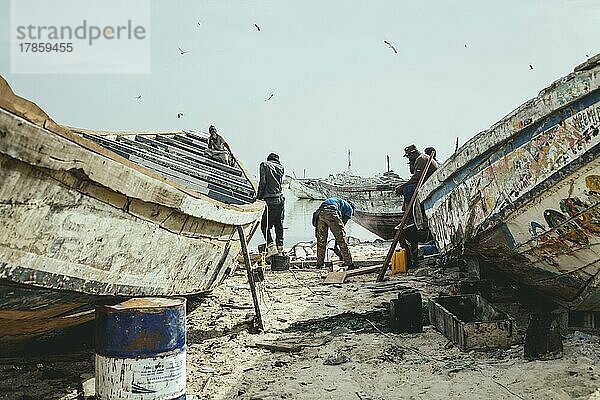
<point>140,349</point>
<point>280,262</point>
<point>399,262</point>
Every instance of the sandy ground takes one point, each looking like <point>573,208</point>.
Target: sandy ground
<point>342,323</point>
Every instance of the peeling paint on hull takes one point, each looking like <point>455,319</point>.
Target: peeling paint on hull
<point>524,195</point>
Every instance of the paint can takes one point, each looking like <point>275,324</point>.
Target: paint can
<point>140,349</point>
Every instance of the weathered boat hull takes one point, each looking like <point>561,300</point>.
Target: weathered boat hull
<point>381,224</point>
<point>27,312</point>
<point>524,196</point>
<point>77,217</point>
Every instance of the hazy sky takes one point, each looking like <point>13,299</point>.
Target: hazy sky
<point>336,85</point>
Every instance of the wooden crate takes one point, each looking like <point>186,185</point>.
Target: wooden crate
<point>471,322</point>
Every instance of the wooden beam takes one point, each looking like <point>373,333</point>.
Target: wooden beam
<point>248,263</point>
<point>407,213</point>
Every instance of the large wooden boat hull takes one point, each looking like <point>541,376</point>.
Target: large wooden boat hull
<point>79,218</point>
<point>524,196</point>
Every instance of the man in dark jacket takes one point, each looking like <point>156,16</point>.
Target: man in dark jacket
<point>269,190</point>
<point>417,162</point>
<point>332,215</point>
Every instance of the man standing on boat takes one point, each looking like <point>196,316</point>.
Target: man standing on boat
<point>333,214</point>
<point>417,162</point>
<point>269,190</point>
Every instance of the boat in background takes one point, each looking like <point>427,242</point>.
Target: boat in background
<point>377,207</point>
<point>88,216</point>
<point>523,197</point>
<point>305,188</point>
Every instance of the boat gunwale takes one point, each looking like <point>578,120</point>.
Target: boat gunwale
<point>588,81</point>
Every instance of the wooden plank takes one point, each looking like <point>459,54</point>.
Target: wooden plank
<point>186,167</point>
<point>258,316</point>
<point>335,277</point>
<point>282,347</point>
<point>197,153</point>
<point>359,263</point>
<point>363,271</point>
<point>199,157</point>
<point>188,177</point>
<point>179,159</point>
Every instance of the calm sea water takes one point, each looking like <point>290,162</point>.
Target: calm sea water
<point>298,226</point>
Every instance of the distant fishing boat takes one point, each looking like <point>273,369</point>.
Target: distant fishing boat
<point>378,208</point>
<point>88,216</point>
<point>305,188</point>
<point>524,196</point>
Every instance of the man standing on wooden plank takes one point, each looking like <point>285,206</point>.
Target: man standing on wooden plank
<point>333,214</point>
<point>269,190</point>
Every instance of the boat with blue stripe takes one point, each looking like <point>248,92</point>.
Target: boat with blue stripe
<point>523,197</point>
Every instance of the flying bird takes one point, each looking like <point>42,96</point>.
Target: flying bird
<point>530,66</point>
<point>270,97</point>
<point>179,115</point>
<point>465,45</point>
<point>257,27</point>
<point>139,97</point>
<point>198,23</point>
<point>391,46</point>
<point>182,52</point>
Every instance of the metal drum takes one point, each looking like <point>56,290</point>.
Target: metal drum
<point>140,349</point>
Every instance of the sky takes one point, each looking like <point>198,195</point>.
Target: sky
<point>461,66</point>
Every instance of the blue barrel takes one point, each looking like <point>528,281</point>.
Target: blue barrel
<point>140,349</point>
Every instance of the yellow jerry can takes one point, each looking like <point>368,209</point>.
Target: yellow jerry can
<point>399,262</point>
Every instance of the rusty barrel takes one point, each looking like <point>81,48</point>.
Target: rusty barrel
<point>140,349</point>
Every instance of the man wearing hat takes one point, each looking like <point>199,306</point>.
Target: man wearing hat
<point>269,190</point>
<point>417,162</point>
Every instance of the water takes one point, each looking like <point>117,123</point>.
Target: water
<point>298,223</point>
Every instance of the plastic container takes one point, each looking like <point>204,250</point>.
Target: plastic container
<point>399,262</point>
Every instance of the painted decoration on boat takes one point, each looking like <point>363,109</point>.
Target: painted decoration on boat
<point>495,184</point>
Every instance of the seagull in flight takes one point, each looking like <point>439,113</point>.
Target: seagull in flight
<point>257,27</point>
<point>530,66</point>
<point>179,115</point>
<point>199,23</point>
<point>182,52</point>
<point>270,97</point>
<point>139,97</point>
<point>391,46</point>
